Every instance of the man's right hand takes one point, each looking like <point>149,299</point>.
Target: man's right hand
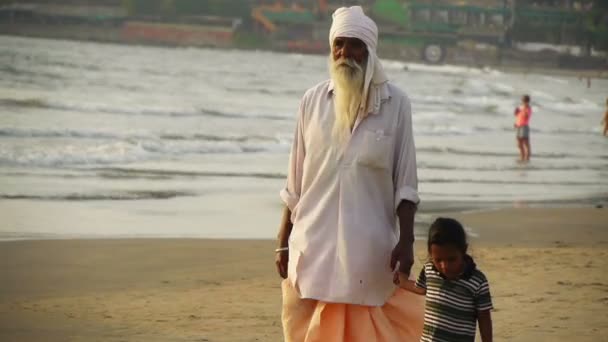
<point>281,260</point>
<point>282,257</point>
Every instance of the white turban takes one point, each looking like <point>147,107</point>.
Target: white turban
<point>351,22</point>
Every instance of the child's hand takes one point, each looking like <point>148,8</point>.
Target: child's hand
<point>405,283</point>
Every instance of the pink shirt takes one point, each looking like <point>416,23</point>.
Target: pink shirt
<point>522,115</point>
<point>343,201</point>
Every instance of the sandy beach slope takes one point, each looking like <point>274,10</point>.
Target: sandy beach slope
<point>548,270</point>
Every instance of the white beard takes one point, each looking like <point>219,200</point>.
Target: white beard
<point>348,77</point>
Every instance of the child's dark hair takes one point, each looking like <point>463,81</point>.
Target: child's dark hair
<point>447,231</point>
<point>526,98</point>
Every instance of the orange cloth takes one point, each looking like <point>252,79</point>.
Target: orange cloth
<point>400,319</point>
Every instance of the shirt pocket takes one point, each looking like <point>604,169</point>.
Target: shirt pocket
<point>375,151</point>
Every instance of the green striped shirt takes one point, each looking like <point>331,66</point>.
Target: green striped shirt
<point>452,305</point>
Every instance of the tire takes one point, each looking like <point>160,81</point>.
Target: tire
<point>433,53</point>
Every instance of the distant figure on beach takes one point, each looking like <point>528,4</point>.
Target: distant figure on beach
<point>352,173</point>
<point>457,292</point>
<point>522,127</point>
<point>605,120</point>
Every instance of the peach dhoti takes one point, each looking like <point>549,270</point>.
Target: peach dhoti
<point>400,319</point>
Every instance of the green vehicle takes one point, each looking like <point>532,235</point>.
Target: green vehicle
<point>433,26</point>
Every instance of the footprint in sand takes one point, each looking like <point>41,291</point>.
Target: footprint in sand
<point>537,300</point>
<point>509,295</point>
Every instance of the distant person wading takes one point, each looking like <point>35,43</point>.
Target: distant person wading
<point>522,127</point>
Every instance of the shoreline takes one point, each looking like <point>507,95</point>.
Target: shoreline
<point>426,211</point>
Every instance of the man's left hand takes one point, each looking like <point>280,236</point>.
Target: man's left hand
<point>403,256</point>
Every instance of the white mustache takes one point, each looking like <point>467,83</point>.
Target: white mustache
<point>348,62</point>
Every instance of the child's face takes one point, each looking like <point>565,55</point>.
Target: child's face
<point>448,259</point>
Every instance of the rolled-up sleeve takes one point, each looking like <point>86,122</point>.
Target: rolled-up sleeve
<point>291,193</point>
<point>405,170</point>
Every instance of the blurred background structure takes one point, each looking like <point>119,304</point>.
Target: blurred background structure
<point>549,33</point>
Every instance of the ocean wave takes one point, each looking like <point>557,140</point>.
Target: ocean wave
<point>462,105</point>
<point>572,107</point>
<point>501,89</point>
<point>162,148</point>
<point>503,181</point>
<point>209,112</point>
<point>443,69</point>
<point>49,155</point>
<point>264,91</point>
<point>130,173</point>
<point>93,108</point>
<point>116,151</point>
<point>146,173</point>
<point>449,130</point>
<point>49,133</point>
<point>92,134</point>
<point>559,131</point>
<point>457,151</point>
<point>25,103</point>
<point>567,167</point>
<point>113,196</point>
<point>15,73</point>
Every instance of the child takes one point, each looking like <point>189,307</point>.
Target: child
<point>457,293</point>
<point>522,126</point>
<point>605,121</point>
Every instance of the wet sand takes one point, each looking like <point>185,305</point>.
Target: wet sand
<point>548,271</point>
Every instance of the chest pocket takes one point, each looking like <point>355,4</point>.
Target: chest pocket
<point>375,151</point>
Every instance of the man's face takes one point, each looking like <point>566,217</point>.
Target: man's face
<point>349,48</point>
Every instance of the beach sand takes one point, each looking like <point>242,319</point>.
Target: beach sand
<point>548,271</point>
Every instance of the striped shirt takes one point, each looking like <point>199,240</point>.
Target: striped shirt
<point>452,305</point>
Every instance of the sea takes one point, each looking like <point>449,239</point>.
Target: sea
<point>120,141</point>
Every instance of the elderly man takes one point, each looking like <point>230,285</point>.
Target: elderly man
<point>352,172</point>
